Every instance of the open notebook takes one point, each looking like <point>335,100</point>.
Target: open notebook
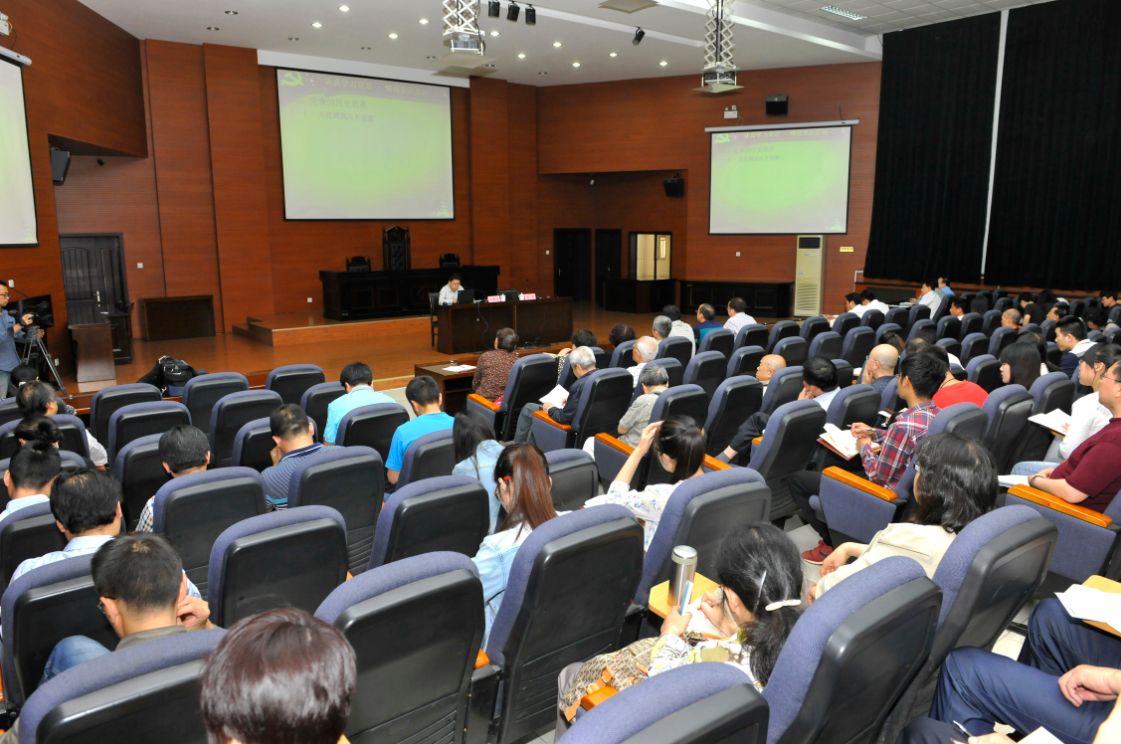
<point>1057,420</point>
<point>839,441</point>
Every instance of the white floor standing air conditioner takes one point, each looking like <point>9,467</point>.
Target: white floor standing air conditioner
<point>807,276</point>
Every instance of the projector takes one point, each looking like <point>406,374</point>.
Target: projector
<point>715,82</point>
<point>466,50</point>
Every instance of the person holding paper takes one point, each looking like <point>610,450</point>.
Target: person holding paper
<point>583,361</point>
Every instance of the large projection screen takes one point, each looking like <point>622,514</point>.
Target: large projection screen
<point>780,181</point>
<point>357,148</point>
<point>17,194</point>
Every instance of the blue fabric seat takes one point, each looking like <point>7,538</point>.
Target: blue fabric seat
<point>753,334</point>
<point>371,426</point>
<point>675,347</point>
<point>718,339</point>
<point>202,392</point>
<point>315,400</point>
<point>107,400</point>
<point>291,381</point>
<point>28,533</point>
<point>735,399</point>
<point>574,476</point>
<point>139,470</point>
<point>428,456</point>
<point>531,378</point>
<point>138,420</point>
<point>1007,409</point>
<point>792,349</point>
<point>603,402</point>
<point>856,344</point>
<point>253,445</point>
<point>706,369</point>
<point>784,387</point>
<point>744,361</point>
<point>826,344</point>
<point>228,415</point>
<point>789,443</point>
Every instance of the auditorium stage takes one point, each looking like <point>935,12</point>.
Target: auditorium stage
<point>390,346</point>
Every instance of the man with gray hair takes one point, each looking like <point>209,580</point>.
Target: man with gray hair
<point>645,349</point>
<point>583,362</point>
<point>654,380</point>
<point>662,327</point>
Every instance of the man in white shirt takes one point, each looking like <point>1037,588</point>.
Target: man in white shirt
<point>678,327</point>
<point>29,476</point>
<point>645,349</point>
<point>869,301</point>
<point>852,304</point>
<point>449,293</point>
<point>737,315</point>
<point>930,297</point>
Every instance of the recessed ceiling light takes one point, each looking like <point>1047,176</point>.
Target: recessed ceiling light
<point>213,28</point>
<point>293,38</point>
<point>430,56</point>
<point>613,55</point>
<point>317,24</point>
<point>366,48</point>
<point>521,55</point>
<point>663,63</point>
<point>576,64</point>
<point>843,13</point>
<point>423,21</point>
<point>344,8</point>
<point>494,32</point>
<point>393,35</point>
<point>557,45</point>
<point>231,12</point>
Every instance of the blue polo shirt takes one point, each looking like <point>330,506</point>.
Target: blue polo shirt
<point>359,395</point>
<point>410,431</point>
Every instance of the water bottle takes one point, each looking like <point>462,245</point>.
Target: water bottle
<point>684,572</point>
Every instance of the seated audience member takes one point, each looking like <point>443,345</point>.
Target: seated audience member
<point>1067,681</point>
<point>143,592</point>
<point>737,315</point>
<point>38,429</point>
<point>583,364</point>
<point>25,373</point>
<point>852,304</point>
<point>525,492</point>
<point>955,482</point>
<point>705,323</point>
<point>1019,364</point>
<point>819,383</point>
<point>1058,311</point>
<point>494,366</point>
<point>754,608</point>
<point>953,390</point>
<point>979,304</point>
<point>1029,308</point>
<point>645,350</point>
<point>619,333</point>
<point>678,445</point>
<point>424,397</point>
<point>768,366</point>
<point>476,452</point>
<point>1070,336</point>
<point>930,297</point>
<point>357,379</point>
<point>1010,318</point>
<point>293,433</point>
<point>654,381</point>
<point>869,301</point>
<point>29,476</point>
<point>879,367</point>
<point>925,342</point>
<point>184,450</point>
<point>280,677</point>
<point>1036,340</point>
<point>894,338</point>
<point>40,399</point>
<point>944,287</point>
<point>582,337</point>
<point>1107,298</point>
<point>1097,319</point>
<point>661,327</point>
<point>449,293</point>
<point>679,327</point>
<point>1090,476</point>
<point>958,306</point>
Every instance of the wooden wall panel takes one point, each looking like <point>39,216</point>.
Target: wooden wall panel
<point>658,124</point>
<point>176,83</point>
<point>233,104</point>
<point>300,248</point>
<point>524,256</point>
<point>490,173</point>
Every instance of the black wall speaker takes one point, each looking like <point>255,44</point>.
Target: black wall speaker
<point>777,105</point>
<point>675,187</point>
<point>60,164</point>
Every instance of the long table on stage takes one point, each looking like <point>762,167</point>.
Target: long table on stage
<point>381,294</point>
<point>471,327</point>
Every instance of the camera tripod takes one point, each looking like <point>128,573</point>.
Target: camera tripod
<point>35,346</point>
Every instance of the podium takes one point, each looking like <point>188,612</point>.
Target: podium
<point>471,327</point>
<point>94,356</point>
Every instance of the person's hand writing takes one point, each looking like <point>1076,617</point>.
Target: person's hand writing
<point>193,613</point>
<point>862,431</point>
<point>712,607</point>
<point>676,623</point>
<point>1087,683</point>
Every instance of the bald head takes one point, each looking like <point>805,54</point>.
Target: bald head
<point>645,349</point>
<point>768,365</point>
<point>882,360</point>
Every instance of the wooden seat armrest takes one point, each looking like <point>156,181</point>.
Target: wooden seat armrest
<point>852,480</point>
<point>711,464</point>
<point>1036,496</point>
<point>615,443</point>
<point>757,441</point>
<point>481,660</point>
<point>544,416</point>
<point>486,403</point>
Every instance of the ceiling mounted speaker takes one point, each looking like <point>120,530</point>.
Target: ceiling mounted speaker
<point>494,8</point>
<point>777,105</point>
<point>512,12</point>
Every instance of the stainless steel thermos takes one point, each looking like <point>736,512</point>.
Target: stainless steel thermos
<point>684,570</point>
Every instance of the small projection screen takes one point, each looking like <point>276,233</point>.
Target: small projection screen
<point>17,195</point>
<point>357,148</point>
<point>780,181</point>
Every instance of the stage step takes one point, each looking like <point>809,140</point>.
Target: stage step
<point>296,329</point>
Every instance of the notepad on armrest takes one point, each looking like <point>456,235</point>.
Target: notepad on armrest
<point>1057,421</point>
<point>839,441</point>
<point>1086,603</point>
<point>1007,481</point>
<point>555,398</point>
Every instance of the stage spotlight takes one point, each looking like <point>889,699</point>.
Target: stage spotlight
<point>494,8</point>
<point>531,16</point>
<point>512,11</point>
<point>639,34</point>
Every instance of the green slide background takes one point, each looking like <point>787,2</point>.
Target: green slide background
<point>17,196</point>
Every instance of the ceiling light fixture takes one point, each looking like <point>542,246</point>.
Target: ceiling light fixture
<point>843,13</point>
<point>531,16</point>
<point>367,48</point>
<point>316,24</point>
<point>344,8</point>
<point>663,63</point>
<point>393,35</point>
<point>494,8</point>
<point>557,45</point>
<point>423,21</point>
<point>213,28</point>
<point>613,55</point>
<point>494,32</point>
<point>512,11</point>
<point>293,38</point>
<point>576,64</point>
<point>521,55</point>
<point>231,12</point>
<point>639,35</point>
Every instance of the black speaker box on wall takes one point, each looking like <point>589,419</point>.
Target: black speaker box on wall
<point>675,187</point>
<point>60,163</point>
<point>777,105</point>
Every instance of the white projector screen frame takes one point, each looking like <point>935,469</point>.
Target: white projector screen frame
<point>18,221</point>
<point>444,199</point>
<point>723,225</point>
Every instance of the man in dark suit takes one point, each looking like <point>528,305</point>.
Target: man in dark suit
<point>583,361</point>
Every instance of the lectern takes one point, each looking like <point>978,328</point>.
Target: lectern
<point>94,355</point>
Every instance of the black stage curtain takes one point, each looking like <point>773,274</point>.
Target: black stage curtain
<point>937,92</point>
<point>1057,191</point>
